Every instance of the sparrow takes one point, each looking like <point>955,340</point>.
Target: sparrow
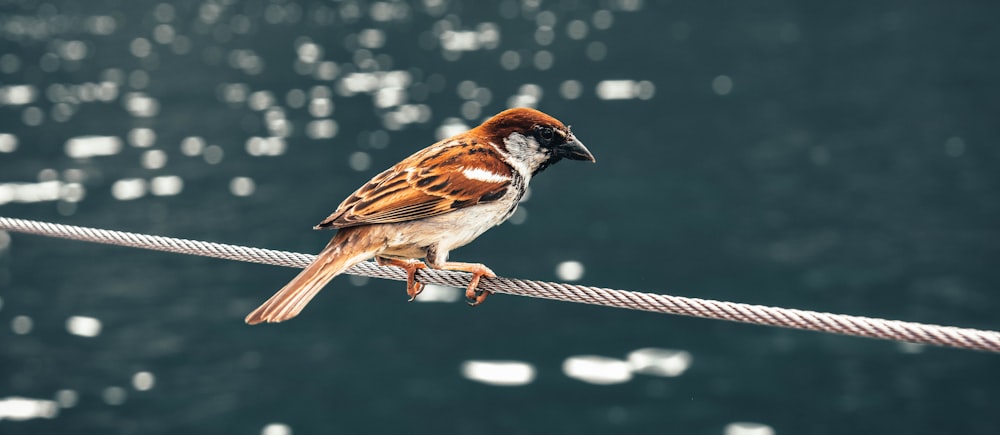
<point>436,200</point>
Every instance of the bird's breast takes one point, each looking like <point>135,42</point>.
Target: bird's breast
<point>447,231</point>
<point>462,226</point>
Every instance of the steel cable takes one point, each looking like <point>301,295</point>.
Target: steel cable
<point>755,314</point>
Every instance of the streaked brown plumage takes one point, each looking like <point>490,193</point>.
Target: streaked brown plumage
<point>436,200</point>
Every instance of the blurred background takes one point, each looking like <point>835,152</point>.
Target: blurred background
<point>832,156</point>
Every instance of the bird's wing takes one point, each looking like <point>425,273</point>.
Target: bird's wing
<point>444,177</point>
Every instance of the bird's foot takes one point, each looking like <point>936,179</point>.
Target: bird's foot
<point>413,287</point>
<point>473,295</point>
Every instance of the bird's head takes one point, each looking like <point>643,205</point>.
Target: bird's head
<point>531,139</point>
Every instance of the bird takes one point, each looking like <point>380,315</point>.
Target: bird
<point>432,202</point>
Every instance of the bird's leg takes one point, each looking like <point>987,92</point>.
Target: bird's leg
<point>413,287</point>
<point>474,295</point>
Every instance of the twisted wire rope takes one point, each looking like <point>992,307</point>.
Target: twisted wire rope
<point>948,336</point>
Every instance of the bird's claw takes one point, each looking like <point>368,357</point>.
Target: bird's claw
<point>477,298</point>
<point>413,287</point>
<point>473,295</point>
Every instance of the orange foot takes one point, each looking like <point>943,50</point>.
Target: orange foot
<point>472,294</point>
<point>413,287</point>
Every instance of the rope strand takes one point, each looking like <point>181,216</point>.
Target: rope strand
<point>755,314</point>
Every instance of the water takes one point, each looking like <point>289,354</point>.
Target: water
<point>837,157</point>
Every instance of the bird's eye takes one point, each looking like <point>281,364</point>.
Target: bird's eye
<point>545,135</point>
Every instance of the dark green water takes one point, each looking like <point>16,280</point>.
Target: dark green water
<point>833,156</point>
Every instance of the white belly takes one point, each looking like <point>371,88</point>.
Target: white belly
<point>463,226</point>
<point>447,231</point>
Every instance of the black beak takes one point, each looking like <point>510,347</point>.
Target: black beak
<point>573,149</point>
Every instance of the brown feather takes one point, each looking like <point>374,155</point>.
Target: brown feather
<point>428,183</point>
<point>347,248</point>
<point>420,208</point>
<point>514,120</point>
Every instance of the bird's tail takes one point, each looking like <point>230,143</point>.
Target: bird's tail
<point>347,248</point>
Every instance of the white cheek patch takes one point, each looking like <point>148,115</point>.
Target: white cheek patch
<point>524,154</point>
<point>481,174</point>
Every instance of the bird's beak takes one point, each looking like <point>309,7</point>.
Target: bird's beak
<point>573,149</point>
